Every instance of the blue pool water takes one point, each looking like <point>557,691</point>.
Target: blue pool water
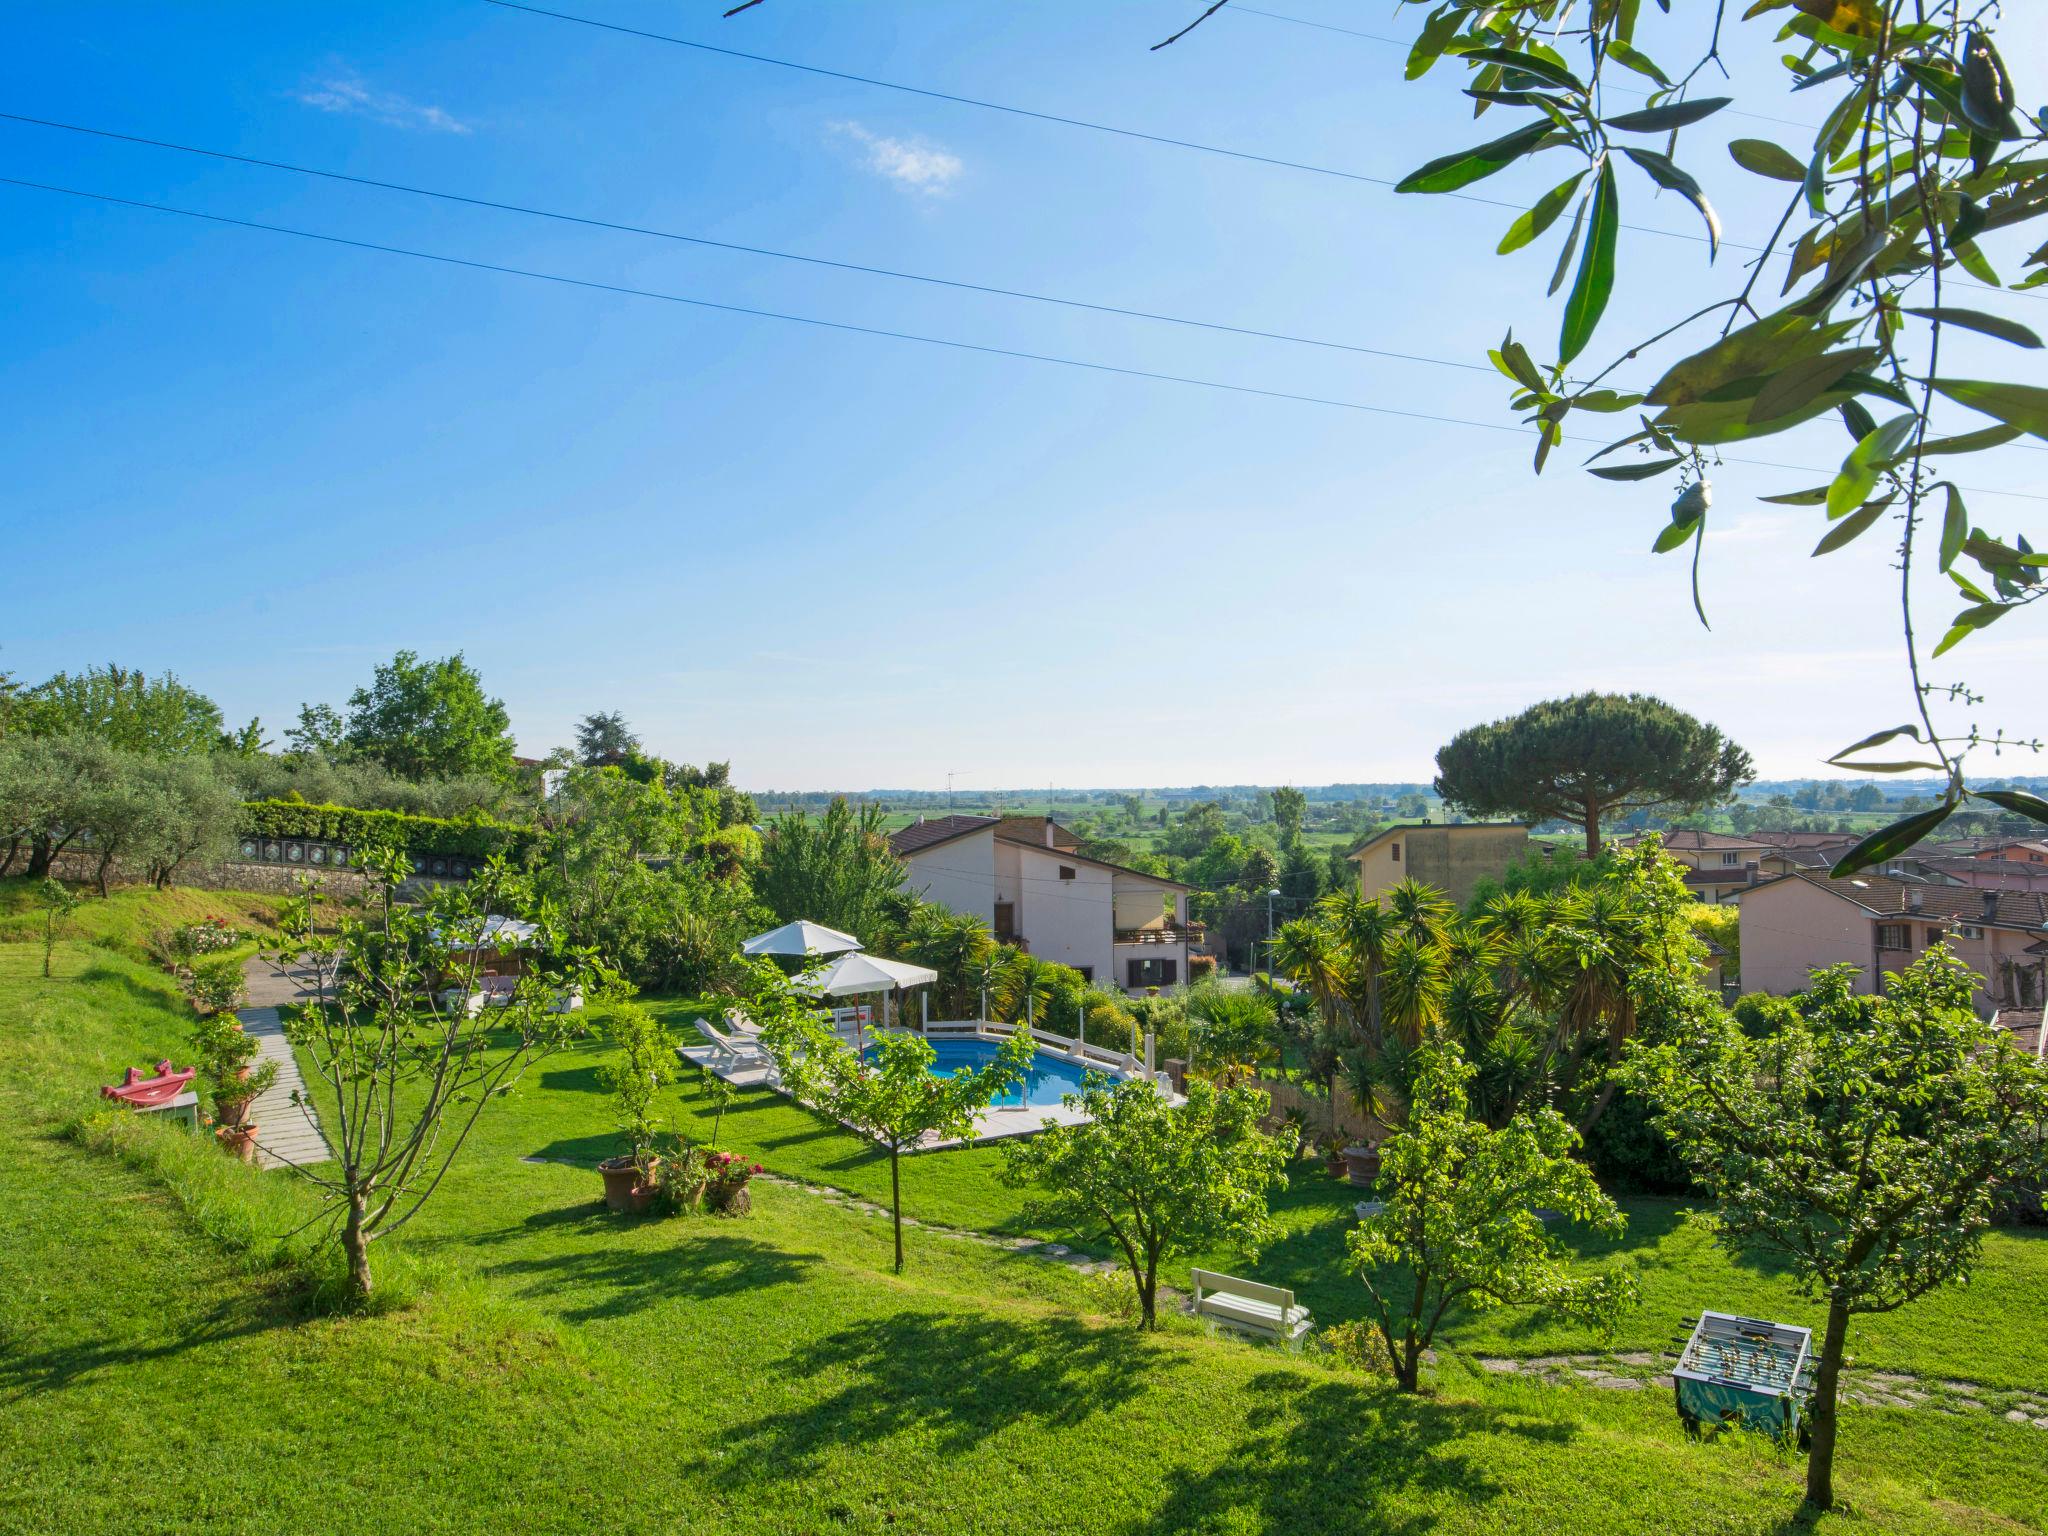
<point>1048,1081</point>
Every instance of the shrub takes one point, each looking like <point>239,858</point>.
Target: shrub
<point>215,986</point>
<point>1359,1345</point>
<point>1760,1014</point>
<point>1631,1155</point>
<point>225,1055</point>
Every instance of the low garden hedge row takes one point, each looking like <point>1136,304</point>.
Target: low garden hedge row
<point>470,838</point>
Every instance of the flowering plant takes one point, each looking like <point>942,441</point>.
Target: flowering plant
<point>729,1170</point>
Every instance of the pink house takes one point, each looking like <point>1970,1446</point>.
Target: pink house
<point>1798,923</point>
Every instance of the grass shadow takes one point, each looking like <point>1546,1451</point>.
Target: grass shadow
<point>611,1281</point>
<point>1339,1455</point>
<point>945,1378</point>
<point>54,1369</point>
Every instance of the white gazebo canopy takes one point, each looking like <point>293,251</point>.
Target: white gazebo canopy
<point>855,973</point>
<point>802,937</point>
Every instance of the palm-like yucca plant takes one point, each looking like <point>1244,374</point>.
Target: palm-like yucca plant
<point>1413,985</point>
<point>1596,943</point>
<point>1234,1028</point>
<point>1422,912</point>
<point>1363,929</point>
<point>959,948</point>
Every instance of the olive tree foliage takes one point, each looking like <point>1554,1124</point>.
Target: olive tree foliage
<point>1922,180</point>
<point>78,792</point>
<point>1588,757</point>
<point>402,1080</point>
<point>885,1090</point>
<point>1160,1179</point>
<point>1457,1225</point>
<point>1862,1142</point>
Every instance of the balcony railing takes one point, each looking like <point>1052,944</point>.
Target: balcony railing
<point>1186,933</point>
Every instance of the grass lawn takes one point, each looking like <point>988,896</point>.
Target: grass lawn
<point>555,1368</point>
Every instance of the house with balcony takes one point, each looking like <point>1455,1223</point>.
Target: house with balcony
<point>1026,877</point>
<point>1793,925</point>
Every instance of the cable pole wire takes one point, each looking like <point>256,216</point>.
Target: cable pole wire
<point>850,328</point>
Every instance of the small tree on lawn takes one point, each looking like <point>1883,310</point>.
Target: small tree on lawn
<point>646,1062</point>
<point>403,1080</point>
<point>887,1091</point>
<point>58,903</point>
<point>1863,1141</point>
<point>1458,1223</point>
<point>1162,1179</point>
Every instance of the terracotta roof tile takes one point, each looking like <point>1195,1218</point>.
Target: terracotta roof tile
<point>929,833</point>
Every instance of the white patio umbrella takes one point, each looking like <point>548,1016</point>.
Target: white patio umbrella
<point>802,937</point>
<point>853,974</point>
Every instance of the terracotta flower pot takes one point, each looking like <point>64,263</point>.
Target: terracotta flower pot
<point>621,1176</point>
<point>629,1182</point>
<point>1362,1164</point>
<point>238,1139</point>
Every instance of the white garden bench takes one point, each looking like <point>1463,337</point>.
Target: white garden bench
<point>1246,1305</point>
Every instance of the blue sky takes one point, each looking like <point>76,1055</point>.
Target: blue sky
<point>844,561</point>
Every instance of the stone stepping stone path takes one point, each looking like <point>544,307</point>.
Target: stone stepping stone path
<point>1635,1370</point>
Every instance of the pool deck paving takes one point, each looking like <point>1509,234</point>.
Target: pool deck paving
<point>993,1125</point>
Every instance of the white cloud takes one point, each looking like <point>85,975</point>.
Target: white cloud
<point>349,93</point>
<point>911,163</point>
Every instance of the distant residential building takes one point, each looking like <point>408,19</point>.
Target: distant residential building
<point>1988,874</point>
<point>1453,858</point>
<point>2019,851</point>
<point>1716,866</point>
<point>1793,925</point>
<point>1027,879</point>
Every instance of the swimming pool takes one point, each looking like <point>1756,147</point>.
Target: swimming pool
<point>1049,1079</point>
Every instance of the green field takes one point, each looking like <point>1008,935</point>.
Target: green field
<point>540,1365</point>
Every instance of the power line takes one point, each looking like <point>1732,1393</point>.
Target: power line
<point>865,330</point>
<point>591,222</point>
<point>1167,140</point>
<point>1076,122</point>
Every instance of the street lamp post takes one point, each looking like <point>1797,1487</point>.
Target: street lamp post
<point>1271,897</point>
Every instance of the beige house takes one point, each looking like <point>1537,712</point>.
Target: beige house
<point>1027,879</point>
<point>1794,925</point>
<point>1717,866</point>
<point>1453,858</point>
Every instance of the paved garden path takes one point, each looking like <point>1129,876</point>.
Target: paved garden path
<point>286,1132</point>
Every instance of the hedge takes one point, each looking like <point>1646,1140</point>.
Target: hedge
<point>476,838</point>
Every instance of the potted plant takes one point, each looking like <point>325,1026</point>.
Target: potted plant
<point>232,1078</point>
<point>1362,1163</point>
<point>646,1062</point>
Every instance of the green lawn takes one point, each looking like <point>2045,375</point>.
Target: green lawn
<point>556,1368</point>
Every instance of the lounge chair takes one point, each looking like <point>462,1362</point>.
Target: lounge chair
<point>735,1052</point>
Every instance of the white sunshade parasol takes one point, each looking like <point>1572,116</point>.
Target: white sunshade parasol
<point>802,937</point>
<point>856,973</point>
<point>500,933</point>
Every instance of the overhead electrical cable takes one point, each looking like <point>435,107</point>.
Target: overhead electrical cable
<point>850,328</point>
<point>1167,140</point>
<point>620,227</point>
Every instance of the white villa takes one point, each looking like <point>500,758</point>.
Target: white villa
<point>1025,877</point>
